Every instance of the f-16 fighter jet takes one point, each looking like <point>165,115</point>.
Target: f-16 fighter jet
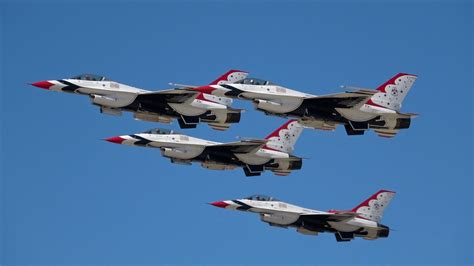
<point>190,107</point>
<point>254,156</point>
<point>361,221</point>
<point>358,110</point>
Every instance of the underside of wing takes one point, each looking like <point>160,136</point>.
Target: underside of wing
<point>244,146</point>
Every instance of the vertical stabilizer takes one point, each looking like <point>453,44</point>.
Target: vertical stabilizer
<point>392,93</point>
<point>284,138</point>
<point>373,207</point>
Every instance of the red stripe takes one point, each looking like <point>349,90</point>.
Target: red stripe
<point>205,89</point>
<point>225,76</point>
<point>366,202</point>
<point>381,88</point>
<point>276,133</point>
<point>370,102</point>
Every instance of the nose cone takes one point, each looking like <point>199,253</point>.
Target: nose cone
<point>117,140</point>
<point>220,204</point>
<point>43,84</point>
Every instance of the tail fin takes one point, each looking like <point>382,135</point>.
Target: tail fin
<point>284,138</point>
<point>392,92</point>
<point>373,207</point>
<point>230,76</point>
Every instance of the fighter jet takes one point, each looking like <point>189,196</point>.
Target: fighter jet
<point>189,107</point>
<point>362,221</point>
<point>253,155</point>
<point>357,110</point>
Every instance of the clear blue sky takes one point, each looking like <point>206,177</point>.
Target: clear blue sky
<point>68,197</point>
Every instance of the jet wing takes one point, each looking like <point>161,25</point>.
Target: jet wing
<point>341,100</point>
<point>183,86</point>
<point>357,93</point>
<point>168,96</point>
<point>244,146</point>
<point>327,217</point>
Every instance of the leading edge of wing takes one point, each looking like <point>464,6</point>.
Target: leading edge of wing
<point>328,217</point>
<point>244,146</point>
<point>340,100</point>
<point>173,95</point>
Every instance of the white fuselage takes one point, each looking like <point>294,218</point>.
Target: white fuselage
<point>113,95</point>
<point>280,100</point>
<point>187,147</point>
<point>282,214</point>
<point>118,95</point>
<point>271,98</point>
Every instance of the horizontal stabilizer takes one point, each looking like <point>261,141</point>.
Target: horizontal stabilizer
<point>407,115</point>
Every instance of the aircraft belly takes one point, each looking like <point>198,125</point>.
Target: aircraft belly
<point>355,115</point>
<point>251,159</point>
<point>343,226</point>
<point>186,109</point>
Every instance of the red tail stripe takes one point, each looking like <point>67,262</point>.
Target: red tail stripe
<point>224,77</point>
<point>276,133</point>
<point>366,202</point>
<point>370,102</point>
<point>205,89</point>
<point>381,88</point>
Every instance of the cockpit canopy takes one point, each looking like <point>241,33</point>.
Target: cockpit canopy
<point>254,81</point>
<point>160,131</point>
<point>90,77</point>
<point>261,198</point>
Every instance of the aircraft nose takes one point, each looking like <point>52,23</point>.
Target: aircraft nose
<point>220,204</point>
<point>43,84</point>
<point>117,140</point>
